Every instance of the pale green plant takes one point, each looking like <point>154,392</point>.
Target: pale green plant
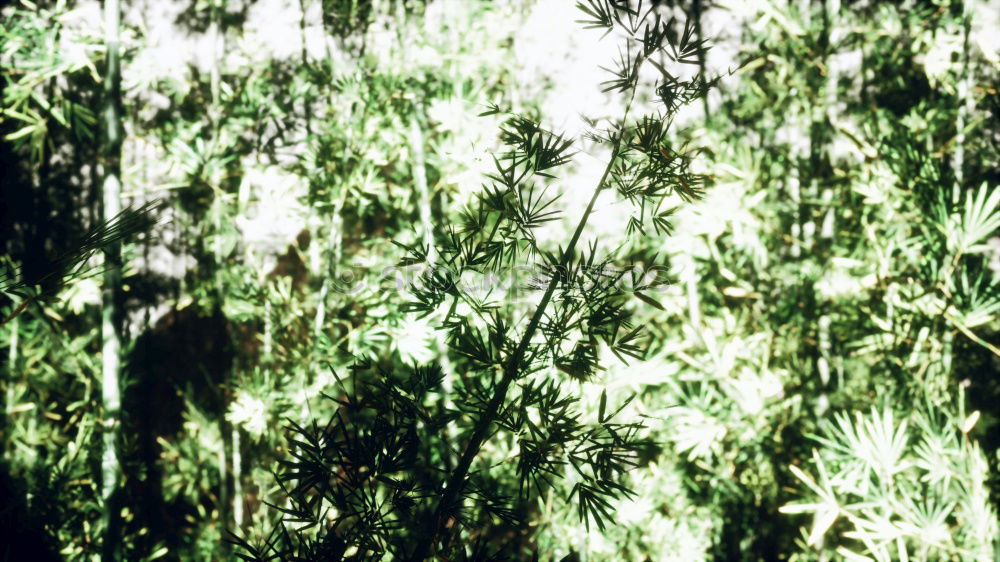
<point>885,488</point>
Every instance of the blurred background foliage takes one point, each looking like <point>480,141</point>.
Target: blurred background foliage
<point>822,378</point>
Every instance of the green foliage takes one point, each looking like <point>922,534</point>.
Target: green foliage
<point>763,342</point>
<point>370,487</point>
<point>904,492</point>
<point>33,60</point>
<point>48,276</point>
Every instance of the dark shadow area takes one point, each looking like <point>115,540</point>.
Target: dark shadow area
<point>22,536</point>
<point>185,357</point>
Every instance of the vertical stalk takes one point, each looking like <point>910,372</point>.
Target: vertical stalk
<point>802,226</point>
<point>965,106</point>
<point>795,195</point>
<point>333,258</point>
<point>215,72</point>
<point>12,352</point>
<point>268,330</point>
<point>696,16</point>
<point>304,54</point>
<point>228,456</point>
<point>427,235</point>
<point>420,182</point>
<point>237,485</point>
<point>693,299</point>
<point>15,325</point>
<point>798,229</point>
<point>334,237</point>
<point>110,317</point>
<point>831,9</point>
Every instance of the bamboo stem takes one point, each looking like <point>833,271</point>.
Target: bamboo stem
<point>427,234</point>
<point>965,106</point>
<point>828,228</point>
<point>110,317</point>
<point>334,240</point>
<point>12,355</point>
<point>237,485</point>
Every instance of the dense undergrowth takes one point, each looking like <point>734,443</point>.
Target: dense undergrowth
<point>818,375</point>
